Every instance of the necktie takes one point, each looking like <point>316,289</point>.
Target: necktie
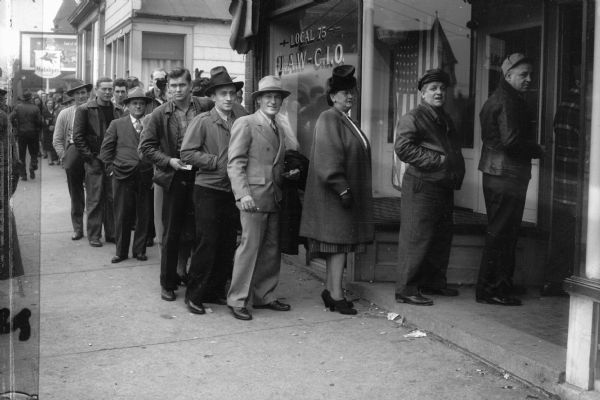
<point>138,127</point>
<point>275,129</point>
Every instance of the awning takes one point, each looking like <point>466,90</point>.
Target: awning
<point>244,24</point>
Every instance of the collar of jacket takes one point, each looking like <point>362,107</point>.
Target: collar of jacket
<point>170,106</point>
<point>438,114</point>
<point>93,103</point>
<point>509,90</point>
<point>216,117</point>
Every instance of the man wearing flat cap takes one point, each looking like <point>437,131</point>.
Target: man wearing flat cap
<point>205,147</point>
<point>427,141</point>
<point>67,152</point>
<point>509,144</point>
<point>26,120</point>
<point>256,156</point>
<point>132,177</point>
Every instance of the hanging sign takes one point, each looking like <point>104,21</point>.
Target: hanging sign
<point>47,63</point>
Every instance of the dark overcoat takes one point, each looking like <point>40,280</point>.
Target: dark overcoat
<point>339,160</point>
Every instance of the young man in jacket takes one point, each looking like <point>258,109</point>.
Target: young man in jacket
<point>62,140</point>
<point>509,144</point>
<point>205,147</point>
<point>160,143</point>
<point>90,124</point>
<point>427,141</point>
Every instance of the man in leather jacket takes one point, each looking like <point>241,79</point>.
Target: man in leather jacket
<point>509,144</point>
<point>427,141</point>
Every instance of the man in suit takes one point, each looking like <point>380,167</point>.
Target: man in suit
<point>89,127</point>
<point>161,143</point>
<point>62,140</point>
<point>205,147</point>
<point>256,155</point>
<point>132,177</point>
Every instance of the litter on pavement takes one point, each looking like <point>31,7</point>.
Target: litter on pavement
<point>415,334</point>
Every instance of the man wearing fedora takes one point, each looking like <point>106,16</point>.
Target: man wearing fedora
<point>90,124</point>
<point>205,147</point>
<point>508,145</point>
<point>161,143</point>
<point>132,177</point>
<point>26,119</point>
<point>255,167</point>
<point>427,141</point>
<point>71,160</point>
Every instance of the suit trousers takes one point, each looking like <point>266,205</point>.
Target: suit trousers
<point>257,260</point>
<point>216,232</point>
<point>33,145</point>
<point>425,235</point>
<point>504,203</point>
<point>99,201</point>
<point>178,205</point>
<point>132,202</point>
<point>75,181</point>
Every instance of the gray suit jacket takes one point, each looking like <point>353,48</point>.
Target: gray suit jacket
<point>255,164</point>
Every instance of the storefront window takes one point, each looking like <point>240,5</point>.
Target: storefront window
<point>305,45</point>
<point>401,40</point>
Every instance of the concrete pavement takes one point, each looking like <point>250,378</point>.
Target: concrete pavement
<point>105,333</point>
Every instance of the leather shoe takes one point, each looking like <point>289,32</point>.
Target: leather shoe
<point>76,235</point>
<point>195,308</point>
<point>275,305</point>
<point>95,243</point>
<point>241,313</point>
<point>440,291</point>
<point>167,295</point>
<point>141,257</point>
<point>499,300</point>
<point>117,259</point>
<point>417,300</point>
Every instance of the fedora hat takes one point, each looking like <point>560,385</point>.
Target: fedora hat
<point>220,77</point>
<point>26,96</point>
<point>270,83</point>
<point>136,93</point>
<point>78,84</point>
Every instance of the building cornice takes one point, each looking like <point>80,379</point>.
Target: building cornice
<point>84,8</point>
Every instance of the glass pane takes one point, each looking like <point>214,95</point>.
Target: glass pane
<point>409,38</point>
<point>305,45</point>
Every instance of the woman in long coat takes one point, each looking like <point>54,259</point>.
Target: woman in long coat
<point>337,215</point>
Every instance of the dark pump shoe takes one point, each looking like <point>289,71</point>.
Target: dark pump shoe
<point>449,292</point>
<point>141,257</point>
<point>95,243</point>
<point>195,308</point>
<point>275,305</point>
<point>118,259</point>
<point>76,235</point>
<point>241,313</point>
<point>167,295</point>
<point>499,300</point>
<point>417,300</point>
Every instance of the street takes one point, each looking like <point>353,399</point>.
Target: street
<point>106,334</point>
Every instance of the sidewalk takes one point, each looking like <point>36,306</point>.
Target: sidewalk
<point>105,333</point>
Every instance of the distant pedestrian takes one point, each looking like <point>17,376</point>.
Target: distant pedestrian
<point>49,114</point>
<point>255,166</point>
<point>89,127</point>
<point>68,154</point>
<point>26,120</point>
<point>337,211</point>
<point>132,177</point>
<point>427,141</point>
<point>205,147</point>
<point>161,143</point>
<point>509,144</point>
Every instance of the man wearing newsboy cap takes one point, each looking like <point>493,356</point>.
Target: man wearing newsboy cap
<point>427,141</point>
<point>256,155</point>
<point>509,144</point>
